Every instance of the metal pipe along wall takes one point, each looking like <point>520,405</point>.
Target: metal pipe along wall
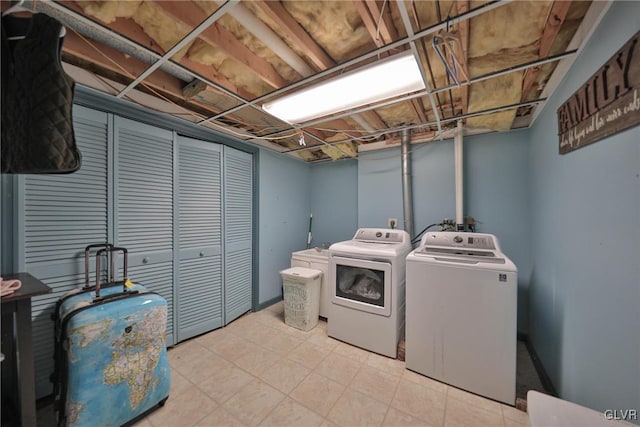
<point>407,194</point>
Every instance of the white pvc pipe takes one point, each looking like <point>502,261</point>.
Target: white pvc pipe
<point>362,122</point>
<point>270,39</point>
<point>457,156</point>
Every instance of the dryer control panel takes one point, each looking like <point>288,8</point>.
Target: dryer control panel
<point>380,235</point>
<point>460,240</point>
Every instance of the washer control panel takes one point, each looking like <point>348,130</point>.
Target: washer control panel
<point>459,240</point>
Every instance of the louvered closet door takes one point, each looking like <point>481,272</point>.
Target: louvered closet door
<point>238,215</point>
<point>143,216</point>
<point>199,236</point>
<point>58,215</point>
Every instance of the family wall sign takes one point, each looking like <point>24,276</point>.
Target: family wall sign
<point>606,104</point>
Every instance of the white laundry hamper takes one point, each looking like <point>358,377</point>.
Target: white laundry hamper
<point>301,288</point>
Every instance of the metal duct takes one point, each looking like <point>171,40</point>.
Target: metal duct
<point>407,194</point>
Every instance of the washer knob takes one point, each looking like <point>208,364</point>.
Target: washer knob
<point>458,239</point>
<point>379,234</point>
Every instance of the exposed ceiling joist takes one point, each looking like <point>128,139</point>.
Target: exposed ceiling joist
<point>119,63</point>
<point>463,32</point>
<point>414,48</point>
<point>381,14</point>
<point>287,23</point>
<point>368,21</point>
<point>202,26</point>
<point>552,27</point>
<point>216,35</point>
<point>257,52</point>
<point>589,23</point>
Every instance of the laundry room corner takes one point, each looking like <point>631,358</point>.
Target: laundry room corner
<point>320,212</point>
<point>284,209</point>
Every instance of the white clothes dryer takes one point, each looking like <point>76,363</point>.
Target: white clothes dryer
<point>367,287</point>
<point>461,313</point>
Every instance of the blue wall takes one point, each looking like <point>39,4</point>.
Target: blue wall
<point>585,289</point>
<point>334,201</point>
<point>284,210</point>
<point>496,179</point>
<point>496,184</point>
<point>380,186</point>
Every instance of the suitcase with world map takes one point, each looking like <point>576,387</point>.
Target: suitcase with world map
<point>111,358</point>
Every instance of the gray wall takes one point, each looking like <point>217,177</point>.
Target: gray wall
<point>334,201</point>
<point>496,184</point>
<point>585,208</point>
<point>284,209</point>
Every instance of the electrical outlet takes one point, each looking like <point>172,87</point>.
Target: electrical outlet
<point>392,222</point>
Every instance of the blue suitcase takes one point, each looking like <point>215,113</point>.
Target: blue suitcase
<point>111,358</point>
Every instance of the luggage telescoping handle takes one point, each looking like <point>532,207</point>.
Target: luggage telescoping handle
<point>111,249</point>
<point>87,252</point>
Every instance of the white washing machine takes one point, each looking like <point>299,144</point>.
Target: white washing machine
<point>367,286</point>
<point>462,313</point>
<point>317,259</point>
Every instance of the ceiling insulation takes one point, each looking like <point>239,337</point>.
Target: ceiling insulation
<point>259,50</point>
<point>335,25</point>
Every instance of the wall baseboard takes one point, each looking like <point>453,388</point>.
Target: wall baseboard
<point>267,303</point>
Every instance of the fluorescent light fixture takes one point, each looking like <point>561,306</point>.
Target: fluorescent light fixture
<point>391,77</point>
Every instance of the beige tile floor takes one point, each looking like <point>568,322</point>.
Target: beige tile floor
<point>258,371</point>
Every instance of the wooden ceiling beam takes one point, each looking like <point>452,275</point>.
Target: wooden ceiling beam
<point>112,59</point>
<point>102,74</point>
<point>417,108</point>
<point>368,21</point>
<point>116,62</point>
<point>341,126</point>
<point>463,32</point>
<point>297,33</point>
<point>374,119</point>
<point>125,26</point>
<point>130,29</point>
<point>556,18</point>
<point>191,15</point>
<point>557,15</point>
<point>387,29</point>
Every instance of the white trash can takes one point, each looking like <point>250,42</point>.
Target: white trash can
<point>301,297</point>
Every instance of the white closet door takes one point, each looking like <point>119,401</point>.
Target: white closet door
<point>238,225</point>
<point>199,238</point>
<point>58,215</point>
<point>143,216</point>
